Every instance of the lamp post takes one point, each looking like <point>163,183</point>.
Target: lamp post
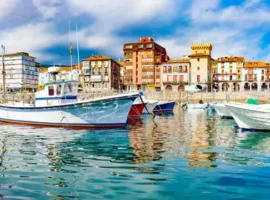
<point>3,71</point>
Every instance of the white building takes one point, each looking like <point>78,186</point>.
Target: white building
<point>175,74</point>
<point>21,72</point>
<point>228,73</point>
<point>256,76</point>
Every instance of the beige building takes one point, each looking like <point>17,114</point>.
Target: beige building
<point>201,64</point>
<point>142,60</point>
<point>176,74</point>
<point>228,73</point>
<point>101,73</point>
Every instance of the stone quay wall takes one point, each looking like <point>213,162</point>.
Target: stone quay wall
<point>263,97</point>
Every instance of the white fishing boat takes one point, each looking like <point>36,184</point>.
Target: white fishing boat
<point>57,106</point>
<point>248,116</point>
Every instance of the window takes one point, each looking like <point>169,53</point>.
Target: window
<point>175,78</point>
<point>262,71</point>
<point>198,59</point>
<point>106,70</point>
<point>168,78</point>
<point>51,90</point>
<point>262,78</point>
<point>230,78</point>
<point>106,85</point>
<point>180,68</point>
<point>165,69</point>
<point>169,69</point>
<point>198,78</point>
<point>140,46</point>
<point>59,90</point>
<point>198,68</point>
<point>128,53</point>
<point>181,78</point>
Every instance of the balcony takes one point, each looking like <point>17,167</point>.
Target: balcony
<point>127,77</point>
<point>148,77</point>
<point>175,82</point>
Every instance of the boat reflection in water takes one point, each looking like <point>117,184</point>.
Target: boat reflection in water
<point>65,164</point>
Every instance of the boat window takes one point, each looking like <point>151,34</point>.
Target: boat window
<point>66,89</point>
<point>51,90</point>
<point>59,87</point>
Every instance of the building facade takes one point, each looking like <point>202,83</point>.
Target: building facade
<point>21,72</point>
<point>101,73</point>
<point>201,64</point>
<point>176,74</point>
<point>142,64</point>
<point>256,76</point>
<point>228,73</point>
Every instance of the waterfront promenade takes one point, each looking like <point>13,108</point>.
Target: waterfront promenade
<point>263,96</point>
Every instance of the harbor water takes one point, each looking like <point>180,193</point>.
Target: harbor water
<point>191,154</point>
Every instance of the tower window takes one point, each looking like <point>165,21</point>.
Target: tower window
<point>198,68</point>
<point>198,59</point>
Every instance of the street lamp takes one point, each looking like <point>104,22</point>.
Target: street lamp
<point>3,70</point>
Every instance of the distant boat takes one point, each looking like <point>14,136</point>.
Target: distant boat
<point>57,106</point>
<point>156,106</point>
<point>250,117</point>
<point>164,106</point>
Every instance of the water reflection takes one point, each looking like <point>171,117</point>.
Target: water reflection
<point>68,164</point>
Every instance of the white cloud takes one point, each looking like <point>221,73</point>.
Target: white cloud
<point>112,15</point>
<point>47,8</point>
<point>6,7</point>
<point>246,15</point>
<point>224,42</point>
<point>32,38</point>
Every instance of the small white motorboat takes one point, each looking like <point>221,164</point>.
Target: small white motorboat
<point>250,117</point>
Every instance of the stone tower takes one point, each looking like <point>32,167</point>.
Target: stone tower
<point>200,62</point>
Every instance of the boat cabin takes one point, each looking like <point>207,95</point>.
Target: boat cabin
<point>57,93</point>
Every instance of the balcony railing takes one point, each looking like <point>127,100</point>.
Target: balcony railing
<point>175,82</point>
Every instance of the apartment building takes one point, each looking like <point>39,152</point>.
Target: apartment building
<point>176,74</point>
<point>101,73</point>
<point>142,64</point>
<point>21,72</point>
<point>228,73</point>
<point>255,76</point>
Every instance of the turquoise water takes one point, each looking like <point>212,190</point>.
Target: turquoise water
<point>189,155</point>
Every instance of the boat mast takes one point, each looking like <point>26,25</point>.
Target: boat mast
<point>3,71</point>
<point>70,46</point>
<point>78,50</point>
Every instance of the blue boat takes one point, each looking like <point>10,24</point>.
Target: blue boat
<point>164,106</point>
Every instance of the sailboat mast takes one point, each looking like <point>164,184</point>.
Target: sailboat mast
<point>3,71</point>
<point>70,46</point>
<point>78,50</point>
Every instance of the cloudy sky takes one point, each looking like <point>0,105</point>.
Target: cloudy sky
<point>41,27</point>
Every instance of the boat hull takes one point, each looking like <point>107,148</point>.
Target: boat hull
<point>164,107</point>
<point>110,112</point>
<point>250,117</point>
<point>136,110</point>
<point>222,111</point>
